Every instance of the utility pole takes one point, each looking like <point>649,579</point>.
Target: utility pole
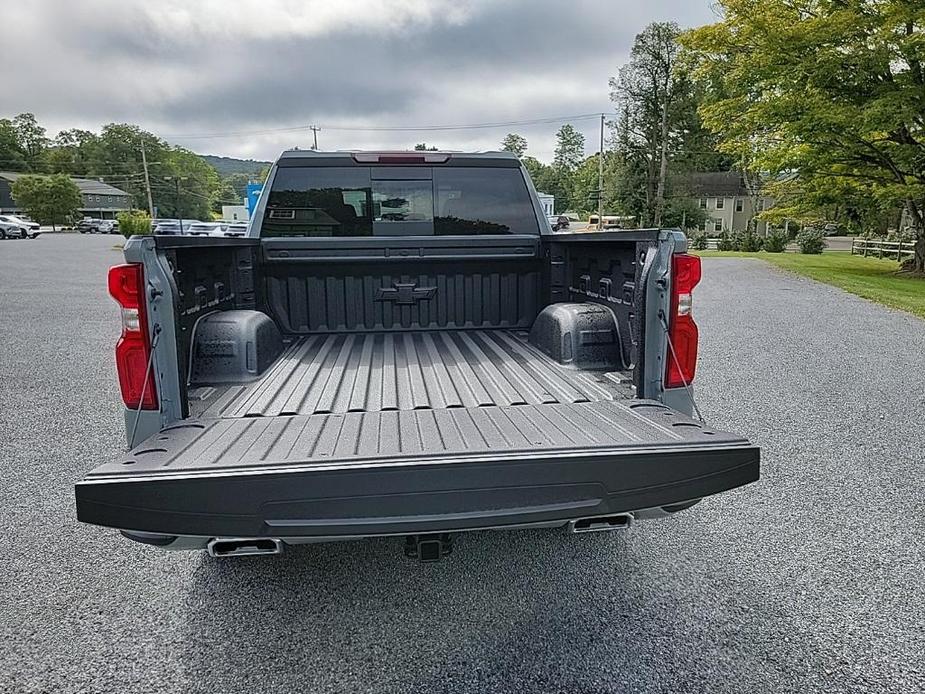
<point>144,163</point>
<point>600,180</point>
<point>315,129</point>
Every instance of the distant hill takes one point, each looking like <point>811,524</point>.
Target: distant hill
<point>229,165</point>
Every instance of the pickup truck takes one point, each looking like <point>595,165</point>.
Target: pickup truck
<point>402,346</point>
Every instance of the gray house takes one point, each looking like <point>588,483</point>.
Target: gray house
<point>99,199</point>
<point>724,196</point>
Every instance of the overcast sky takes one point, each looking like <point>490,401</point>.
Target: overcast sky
<point>233,67</point>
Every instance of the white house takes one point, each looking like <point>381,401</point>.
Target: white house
<point>235,213</point>
<point>724,197</point>
<point>548,202</point>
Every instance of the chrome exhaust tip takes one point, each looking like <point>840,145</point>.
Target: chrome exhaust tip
<point>598,524</point>
<point>243,546</point>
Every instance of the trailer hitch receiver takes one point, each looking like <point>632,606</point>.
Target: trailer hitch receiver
<point>428,548</point>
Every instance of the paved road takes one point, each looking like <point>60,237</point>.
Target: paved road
<point>809,581</point>
<point>839,243</point>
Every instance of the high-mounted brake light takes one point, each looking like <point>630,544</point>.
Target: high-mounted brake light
<point>133,350</point>
<point>400,158</point>
<point>682,330</point>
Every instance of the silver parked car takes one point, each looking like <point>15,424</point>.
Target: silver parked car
<point>15,230</point>
<point>173,227</point>
<point>21,222</point>
<point>206,229</point>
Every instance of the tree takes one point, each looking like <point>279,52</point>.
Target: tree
<point>422,147</point>
<point>828,91</point>
<point>225,194</point>
<point>570,148</point>
<point>568,155</point>
<point>851,203</point>
<point>238,183</point>
<point>515,143</point>
<point>534,167</point>
<point>549,180</point>
<point>116,158</point>
<point>32,140</point>
<point>12,156</point>
<point>197,183</point>
<point>73,152</point>
<point>584,184</point>
<point>47,199</point>
<point>654,97</point>
<point>683,212</point>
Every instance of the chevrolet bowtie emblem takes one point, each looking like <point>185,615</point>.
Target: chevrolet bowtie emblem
<point>405,293</point>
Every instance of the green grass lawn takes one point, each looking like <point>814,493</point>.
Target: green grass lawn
<point>867,277</point>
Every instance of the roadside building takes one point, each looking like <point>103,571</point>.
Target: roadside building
<point>99,200</point>
<point>235,213</point>
<point>252,196</point>
<point>724,197</point>
<point>548,202</point>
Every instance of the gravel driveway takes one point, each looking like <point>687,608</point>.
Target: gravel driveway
<point>808,581</point>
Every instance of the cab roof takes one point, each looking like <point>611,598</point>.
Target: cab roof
<point>302,157</point>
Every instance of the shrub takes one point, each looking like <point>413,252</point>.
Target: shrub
<point>698,242</point>
<point>776,241</point>
<point>811,241</point>
<point>134,223</point>
<point>749,242</point>
<point>725,243</point>
<point>906,235</point>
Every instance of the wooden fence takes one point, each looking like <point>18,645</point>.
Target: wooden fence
<point>882,249</point>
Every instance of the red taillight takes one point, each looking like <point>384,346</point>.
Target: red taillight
<point>133,351</point>
<point>682,330</point>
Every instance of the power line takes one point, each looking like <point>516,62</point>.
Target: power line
<point>372,128</point>
<point>476,126</point>
<point>95,174</point>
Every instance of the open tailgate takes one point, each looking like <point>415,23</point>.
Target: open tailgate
<point>413,471</point>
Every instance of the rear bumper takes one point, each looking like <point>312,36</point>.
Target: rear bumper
<point>412,495</point>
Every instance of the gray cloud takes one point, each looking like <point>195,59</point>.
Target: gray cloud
<point>183,68</point>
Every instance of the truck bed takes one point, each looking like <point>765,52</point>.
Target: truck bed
<point>413,418</point>
<point>434,370</point>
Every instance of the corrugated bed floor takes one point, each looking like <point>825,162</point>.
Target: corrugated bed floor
<point>379,372</point>
<point>333,399</point>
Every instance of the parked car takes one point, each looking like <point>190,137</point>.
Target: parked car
<point>15,230</point>
<point>14,227</point>
<point>437,364</point>
<point>21,221</point>
<point>89,225</point>
<point>206,229</point>
<point>558,221</point>
<point>612,221</point>
<point>173,227</point>
<point>834,229</point>
<point>236,229</point>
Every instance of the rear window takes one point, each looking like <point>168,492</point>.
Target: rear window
<point>398,201</point>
